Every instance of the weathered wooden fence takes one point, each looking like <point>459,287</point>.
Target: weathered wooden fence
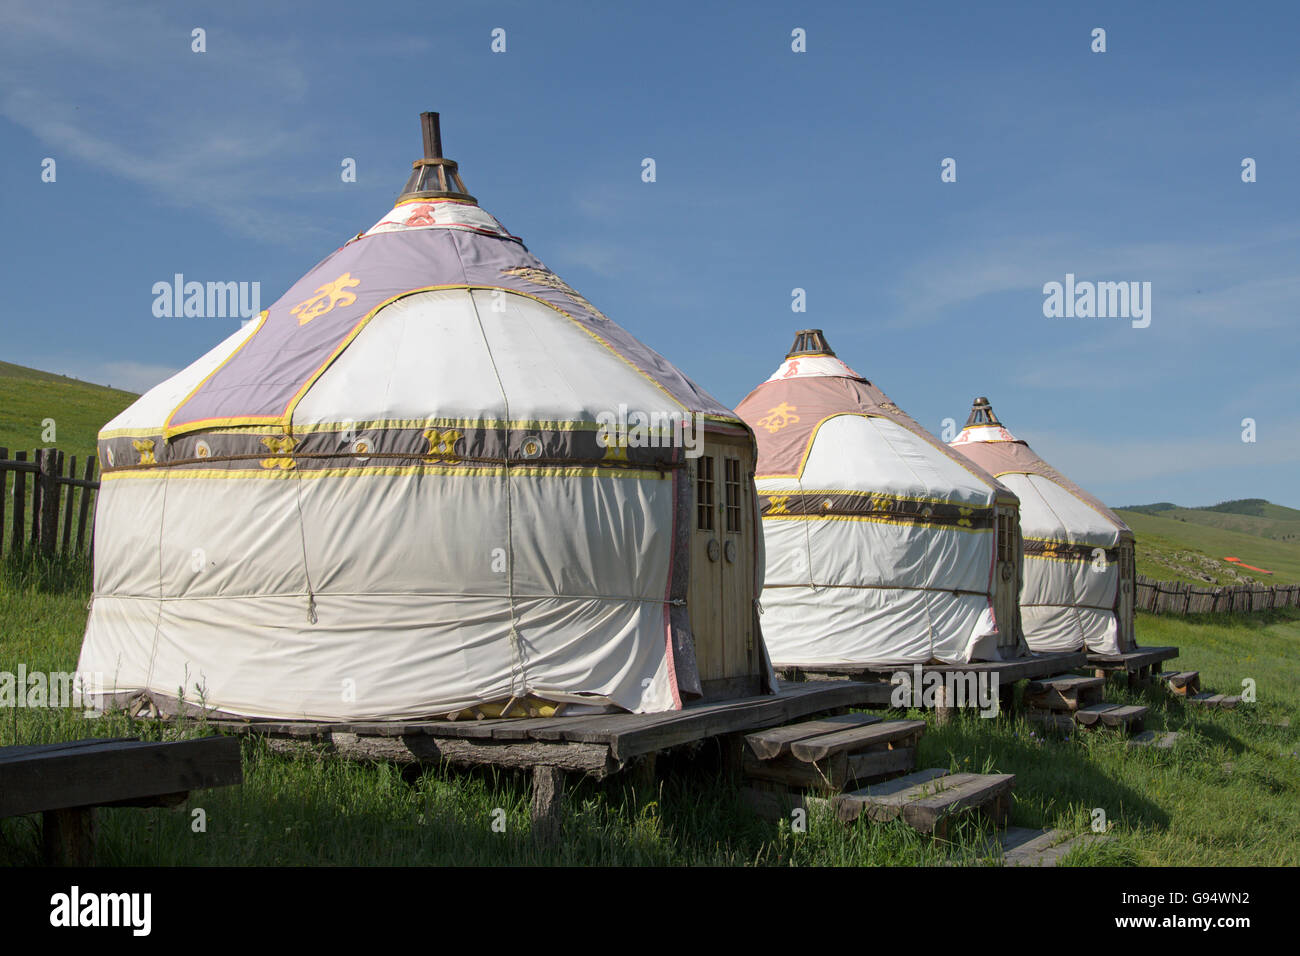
<point>1169,597</point>
<point>42,501</point>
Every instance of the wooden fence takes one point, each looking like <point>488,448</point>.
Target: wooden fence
<point>1168,597</point>
<point>41,507</point>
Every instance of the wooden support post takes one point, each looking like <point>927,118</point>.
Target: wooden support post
<point>548,802</point>
<point>642,772</point>
<point>38,486</point>
<point>68,836</point>
<point>943,709</point>
<point>1006,697</point>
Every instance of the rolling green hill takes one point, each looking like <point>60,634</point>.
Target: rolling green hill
<point>79,410</point>
<point>1189,544</point>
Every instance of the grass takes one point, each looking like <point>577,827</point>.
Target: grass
<point>28,397</point>
<point>1225,794</point>
<point>1181,549</point>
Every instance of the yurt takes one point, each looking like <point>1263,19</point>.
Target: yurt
<point>883,545</point>
<point>1079,570</point>
<point>432,479</point>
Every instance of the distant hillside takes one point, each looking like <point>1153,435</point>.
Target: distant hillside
<point>28,396</point>
<point>1248,515</point>
<point>1189,544</point>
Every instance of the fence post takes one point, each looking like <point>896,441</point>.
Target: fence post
<point>85,504</point>
<point>50,473</point>
<point>38,486</point>
<point>20,504</point>
<point>4,497</point>
<point>67,504</point>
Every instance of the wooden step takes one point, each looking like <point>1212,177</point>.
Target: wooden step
<point>1160,740</point>
<point>775,742</point>
<point>927,800</point>
<point>901,733</point>
<point>1183,683</point>
<point>1065,692</point>
<point>839,760</point>
<point>1222,701</point>
<point>1022,846</point>
<point>1124,716</point>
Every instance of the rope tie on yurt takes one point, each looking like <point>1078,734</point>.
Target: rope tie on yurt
<point>302,536</point>
<point>517,664</point>
<point>157,628</point>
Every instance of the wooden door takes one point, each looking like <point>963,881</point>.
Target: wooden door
<point>721,595</point>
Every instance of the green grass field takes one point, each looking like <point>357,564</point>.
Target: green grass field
<point>1227,793</point>
<point>79,410</point>
<point>1177,548</point>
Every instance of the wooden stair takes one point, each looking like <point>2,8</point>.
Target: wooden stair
<point>1065,692</point>
<point>1022,846</point>
<point>1222,701</point>
<point>929,800</point>
<point>1126,717</point>
<point>832,754</point>
<point>1182,683</point>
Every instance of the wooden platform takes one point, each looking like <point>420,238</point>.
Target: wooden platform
<point>1066,692</point>
<point>1022,668</point>
<point>1136,665</point>
<point>65,782</point>
<point>833,754</point>
<point>1182,683</point>
<point>1022,846</point>
<point>595,745</point>
<point>1222,701</point>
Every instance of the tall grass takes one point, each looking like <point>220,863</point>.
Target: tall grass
<point>1225,793</point>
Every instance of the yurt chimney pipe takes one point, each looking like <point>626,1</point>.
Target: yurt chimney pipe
<point>434,176</point>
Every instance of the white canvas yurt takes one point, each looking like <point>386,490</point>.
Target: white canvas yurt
<point>1079,569</point>
<point>431,479</point>
<point>883,545</point>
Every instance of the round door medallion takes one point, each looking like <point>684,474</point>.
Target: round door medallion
<point>1006,572</point>
<point>714,551</point>
<point>730,552</point>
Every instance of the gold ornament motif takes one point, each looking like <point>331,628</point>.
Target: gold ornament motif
<point>778,505</point>
<point>963,521</point>
<point>777,418</point>
<point>281,447</point>
<point>442,444</point>
<point>145,448</point>
<point>616,451</point>
<point>545,277</point>
<point>326,298</point>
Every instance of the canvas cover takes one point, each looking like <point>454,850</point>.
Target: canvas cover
<point>1071,541</point>
<point>388,497</point>
<point>880,541</point>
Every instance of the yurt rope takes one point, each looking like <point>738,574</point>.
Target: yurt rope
<point>516,646</point>
<point>157,628</point>
<point>302,536</point>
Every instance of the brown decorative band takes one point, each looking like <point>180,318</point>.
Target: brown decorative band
<point>876,507</point>
<point>1065,551</point>
<point>454,443</point>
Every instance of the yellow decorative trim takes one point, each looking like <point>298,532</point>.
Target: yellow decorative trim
<point>427,468</point>
<point>876,520</point>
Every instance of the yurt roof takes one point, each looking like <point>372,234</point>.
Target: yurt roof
<point>812,392</point>
<point>986,441</point>
<point>435,239</point>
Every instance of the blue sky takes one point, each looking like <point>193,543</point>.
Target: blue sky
<point>775,170</point>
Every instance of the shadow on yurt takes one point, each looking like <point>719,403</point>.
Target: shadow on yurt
<point>884,546</point>
<point>432,479</point>
<point>1079,570</point>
